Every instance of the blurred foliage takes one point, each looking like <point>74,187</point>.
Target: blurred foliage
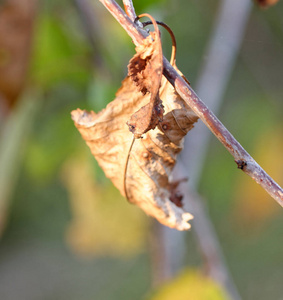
<point>57,55</point>
<point>46,153</point>
<point>97,209</point>
<point>190,284</point>
<point>62,195</point>
<point>256,217</point>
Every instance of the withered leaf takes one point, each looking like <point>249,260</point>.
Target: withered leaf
<point>17,20</point>
<point>141,168</point>
<point>145,69</point>
<point>146,118</point>
<point>266,3</point>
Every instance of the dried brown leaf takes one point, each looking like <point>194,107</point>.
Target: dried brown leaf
<point>141,168</point>
<point>145,69</point>
<point>146,118</point>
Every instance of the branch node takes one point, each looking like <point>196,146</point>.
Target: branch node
<point>241,164</point>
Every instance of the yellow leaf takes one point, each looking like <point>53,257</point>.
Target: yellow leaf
<point>102,222</point>
<point>190,285</point>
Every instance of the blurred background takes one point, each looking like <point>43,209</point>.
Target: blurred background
<point>66,232</point>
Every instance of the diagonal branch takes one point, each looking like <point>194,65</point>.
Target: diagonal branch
<point>129,9</point>
<point>243,160</point>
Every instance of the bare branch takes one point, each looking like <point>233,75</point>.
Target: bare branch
<point>208,242</point>
<point>244,161</point>
<point>211,86</point>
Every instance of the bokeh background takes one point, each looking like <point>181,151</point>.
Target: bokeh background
<point>66,233</point>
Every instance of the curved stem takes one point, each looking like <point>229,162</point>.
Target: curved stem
<point>152,20</point>
<point>174,43</point>
<point>126,168</point>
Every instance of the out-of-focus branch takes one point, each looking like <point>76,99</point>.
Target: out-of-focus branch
<point>209,246</point>
<point>244,161</point>
<point>223,48</point>
<point>88,21</point>
<point>161,258</point>
<point>12,143</point>
<point>92,31</point>
<point>17,19</point>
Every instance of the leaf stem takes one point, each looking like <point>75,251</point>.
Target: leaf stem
<point>174,44</point>
<point>126,168</point>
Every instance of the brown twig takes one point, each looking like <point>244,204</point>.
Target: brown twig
<point>211,86</point>
<point>130,11</point>
<point>243,160</point>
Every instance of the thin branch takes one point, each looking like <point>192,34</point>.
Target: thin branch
<point>129,9</point>
<point>244,161</point>
<point>90,24</point>
<point>221,50</point>
<point>208,243</point>
<point>210,248</point>
<point>211,86</point>
<point>12,147</point>
<point>87,19</point>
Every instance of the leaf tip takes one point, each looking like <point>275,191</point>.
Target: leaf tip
<point>83,117</point>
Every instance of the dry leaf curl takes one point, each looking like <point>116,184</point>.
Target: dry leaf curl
<point>141,168</point>
<point>145,69</point>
